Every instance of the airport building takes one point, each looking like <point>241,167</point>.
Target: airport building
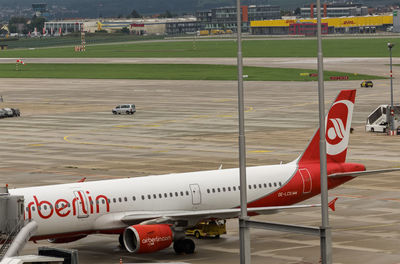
<point>334,10</point>
<point>224,18</point>
<point>70,26</point>
<point>364,24</point>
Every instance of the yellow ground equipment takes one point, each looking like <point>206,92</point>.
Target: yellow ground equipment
<point>208,229</point>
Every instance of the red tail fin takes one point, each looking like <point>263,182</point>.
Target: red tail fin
<point>337,124</point>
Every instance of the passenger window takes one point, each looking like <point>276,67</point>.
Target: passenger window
<point>160,195</point>
<point>33,208</point>
<point>103,201</point>
<point>218,189</point>
<point>134,198</point>
<point>265,185</point>
<point>176,194</point>
<point>45,207</point>
<point>274,184</point>
<point>170,194</point>
<point>187,193</point>
<point>208,190</point>
<point>229,189</point>
<point>213,190</point>
<point>165,195</point>
<point>223,189</point>
<point>270,185</point>
<point>149,196</point>
<point>114,200</point>
<point>255,186</point>
<point>125,199</point>
<point>234,188</point>
<point>181,193</point>
<point>260,186</point>
<point>249,186</point>
<point>120,200</point>
<point>280,184</point>
<point>142,197</point>
<point>154,196</point>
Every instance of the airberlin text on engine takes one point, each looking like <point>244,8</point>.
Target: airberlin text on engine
<point>80,204</point>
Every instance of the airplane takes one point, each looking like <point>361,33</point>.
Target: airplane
<point>151,213</point>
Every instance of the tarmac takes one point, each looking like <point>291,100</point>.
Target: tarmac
<point>66,132</point>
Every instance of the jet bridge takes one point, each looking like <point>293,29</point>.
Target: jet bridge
<point>11,218</point>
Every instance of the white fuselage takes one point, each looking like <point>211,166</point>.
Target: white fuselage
<point>99,205</point>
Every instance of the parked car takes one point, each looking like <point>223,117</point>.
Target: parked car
<point>16,112</point>
<point>9,112</point>
<point>124,109</point>
<point>367,84</point>
<point>3,113</point>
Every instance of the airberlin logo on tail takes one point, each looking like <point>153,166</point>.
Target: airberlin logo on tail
<point>338,127</point>
<point>337,131</point>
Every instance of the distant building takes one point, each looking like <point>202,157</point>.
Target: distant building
<point>70,26</point>
<point>334,10</point>
<point>396,21</point>
<point>225,17</point>
<point>181,27</point>
<point>364,24</point>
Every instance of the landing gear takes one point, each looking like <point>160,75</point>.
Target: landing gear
<point>186,246</point>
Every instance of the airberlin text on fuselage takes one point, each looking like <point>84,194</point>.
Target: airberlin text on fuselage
<point>62,207</point>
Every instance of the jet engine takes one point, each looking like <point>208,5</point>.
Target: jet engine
<point>147,238</point>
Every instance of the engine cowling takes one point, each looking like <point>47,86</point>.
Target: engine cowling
<point>147,238</point>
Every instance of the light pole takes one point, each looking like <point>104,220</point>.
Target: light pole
<point>390,46</point>
<point>244,231</point>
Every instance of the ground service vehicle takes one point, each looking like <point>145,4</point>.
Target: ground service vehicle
<point>151,213</point>
<point>208,229</point>
<point>378,120</point>
<point>367,84</point>
<point>128,109</point>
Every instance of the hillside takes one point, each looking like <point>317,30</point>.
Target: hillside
<point>94,8</point>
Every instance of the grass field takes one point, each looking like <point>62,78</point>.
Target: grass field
<point>360,47</point>
<point>73,39</point>
<point>162,72</point>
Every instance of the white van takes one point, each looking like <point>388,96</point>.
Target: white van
<point>128,109</point>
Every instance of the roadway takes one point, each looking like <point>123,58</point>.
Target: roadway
<point>67,132</point>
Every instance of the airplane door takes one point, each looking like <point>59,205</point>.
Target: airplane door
<point>81,203</point>
<point>196,194</point>
<point>307,181</point>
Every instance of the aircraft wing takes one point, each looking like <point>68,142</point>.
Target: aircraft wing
<point>199,215</point>
<point>361,173</point>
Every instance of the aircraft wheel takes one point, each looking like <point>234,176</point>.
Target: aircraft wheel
<point>188,246</point>
<point>178,247</point>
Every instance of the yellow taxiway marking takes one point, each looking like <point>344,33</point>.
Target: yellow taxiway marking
<point>35,145</point>
<point>250,109</point>
<point>224,115</point>
<point>224,100</point>
<point>260,151</point>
